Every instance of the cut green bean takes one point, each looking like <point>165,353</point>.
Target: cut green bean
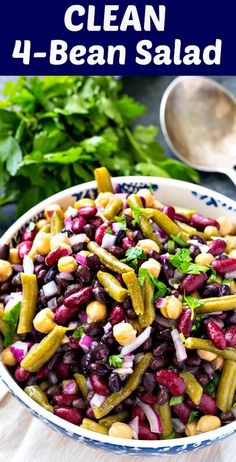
<point>130,386</point>
<point>103,179</point>
<point>134,290</point>
<point>113,208</point>
<point>214,304</point>
<point>107,259</point>
<point>89,424</point>
<point>109,420</point>
<point>38,356</point>
<point>193,387</point>
<point>3,324</point>
<point>194,343</point>
<point>226,386</point>
<point>82,384</point>
<point>112,286</point>
<point>164,412</point>
<point>148,316</point>
<point>57,222</point>
<point>28,304</point>
<point>35,393</point>
<point>168,225</point>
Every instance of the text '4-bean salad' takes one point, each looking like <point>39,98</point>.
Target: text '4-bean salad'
<point>119,315</point>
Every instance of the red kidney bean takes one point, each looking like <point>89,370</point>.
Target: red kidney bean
<point>216,335</point>
<point>42,374</point>
<point>192,282</point>
<point>78,224</point>
<point>99,234</point>
<point>21,375</point>
<point>87,211</point>
<point>4,251</point>
<point>24,248</point>
<point>182,411</point>
<point>64,400</point>
<point>79,298</point>
<point>182,218</point>
<point>96,222</point>
<point>147,397</point>
<point>224,266</point>
<point>90,413</point>
<point>145,433</point>
<point>207,404</point>
<point>184,324</point>
<point>172,381</point>
<point>127,242</point>
<point>53,256</point>
<point>69,414</point>
<point>201,222</point>
<point>63,314</point>
<point>99,385</point>
<point>217,247</point>
<point>29,234</point>
<point>169,211</point>
<point>136,411</point>
<point>230,335</point>
<point>62,371</point>
<point>117,314</point>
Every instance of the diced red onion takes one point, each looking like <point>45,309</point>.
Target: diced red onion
<point>202,247</point>
<point>78,239</point>
<point>71,212</point>
<point>108,240</point>
<point>50,289</point>
<point>85,342</point>
<point>52,303</point>
<point>178,425</point>
<point>97,400</point>
<point>107,327</point>
<point>68,224</point>
<point>159,232</point>
<point>124,370</point>
<point>129,357</point>
<point>138,342</point>
<point>138,357</point>
<point>134,425</point>
<point>164,322</point>
<point>116,226</point>
<point>19,350</point>
<point>66,276</point>
<point>160,302</point>
<point>164,257</point>
<point>83,316</point>
<point>70,387</point>
<point>152,417</point>
<point>180,350</point>
<point>127,364</point>
<point>28,265</point>
<point>231,275</point>
<point>81,259</point>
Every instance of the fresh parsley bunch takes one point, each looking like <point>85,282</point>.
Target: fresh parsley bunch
<point>55,130</point>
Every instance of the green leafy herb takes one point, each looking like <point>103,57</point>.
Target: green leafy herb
<point>122,221</point>
<point>109,230</point>
<point>197,323</point>
<point>170,246</point>
<point>132,255</point>
<point>176,400</point>
<point>211,386</point>
<point>183,262</point>
<point>193,303</point>
<point>177,238</point>
<point>192,416</point>
<point>144,275</point>
<point>11,318</point>
<point>151,188</point>
<point>115,360</point>
<point>78,332</point>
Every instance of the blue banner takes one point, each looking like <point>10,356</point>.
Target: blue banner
<point>118,38</point>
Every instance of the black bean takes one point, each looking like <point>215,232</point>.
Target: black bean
<point>198,238</point>
<point>100,294</point>
<point>17,268</point>
<point>117,252</point>
<point>153,254</point>
<point>162,396</point>
<point>89,230</point>
<point>93,262</point>
<point>4,251</point>
<point>79,404</point>
<point>39,258</point>
<point>137,235</point>
<point>62,281</point>
<point>193,360</point>
<point>165,334</point>
<point>147,345</point>
<point>194,250</point>
<point>51,274</point>
<point>70,358</point>
<point>130,313</point>
<point>36,335</point>
<point>148,381</point>
<point>119,237</point>
<point>52,378</point>
<point>99,369</point>
<point>31,381</point>
<point>130,401</point>
<point>157,364</point>
<point>208,369</point>
<point>203,379</point>
<point>83,275</point>
<point>41,276</point>
<point>38,268</point>
<point>108,339</point>
<point>93,329</point>
<point>114,382</point>
<point>127,304</point>
<point>5,286</point>
<point>78,247</point>
<point>71,289</point>
<point>227,417</point>
<point>224,290</point>
<point>53,390</point>
<point>210,290</point>
<point>160,349</point>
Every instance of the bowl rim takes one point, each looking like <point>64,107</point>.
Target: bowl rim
<point>62,424</point>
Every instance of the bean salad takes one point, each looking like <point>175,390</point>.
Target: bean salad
<point>118,315</point>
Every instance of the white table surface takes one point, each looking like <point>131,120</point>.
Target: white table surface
<point>25,439</point>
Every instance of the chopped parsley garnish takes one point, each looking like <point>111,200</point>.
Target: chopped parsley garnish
<point>132,255</point>
<point>138,211</point>
<point>211,386</point>
<point>193,415</point>
<point>182,260</point>
<point>109,230</point>
<point>11,318</point>
<point>78,332</point>
<point>122,221</point>
<point>170,246</point>
<point>144,275</point>
<point>193,303</point>
<point>176,400</point>
<point>115,360</point>
<point>177,238</point>
<point>197,323</point>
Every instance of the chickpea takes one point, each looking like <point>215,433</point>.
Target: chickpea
<point>124,333</point>
<point>218,363</point>
<point>226,226</point>
<point>6,270</point>
<point>120,430</point>
<point>8,358</point>
<point>44,321</point>
<point>232,254</point>
<point>67,264</point>
<point>83,203</point>
<point>173,307</point>
<point>206,355</point>
<point>208,423</point>
<point>96,311</point>
<point>147,195</point>
<point>204,259</point>
<point>231,243</point>
<point>103,199</point>
<point>58,239</point>
<point>147,245</point>
<point>42,242</point>
<point>50,209</point>
<point>14,257</point>
<point>210,231</point>
<point>191,428</point>
<point>233,288</point>
<point>41,223</point>
<point>153,266</point>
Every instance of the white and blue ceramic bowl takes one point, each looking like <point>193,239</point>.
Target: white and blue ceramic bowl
<point>169,192</point>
